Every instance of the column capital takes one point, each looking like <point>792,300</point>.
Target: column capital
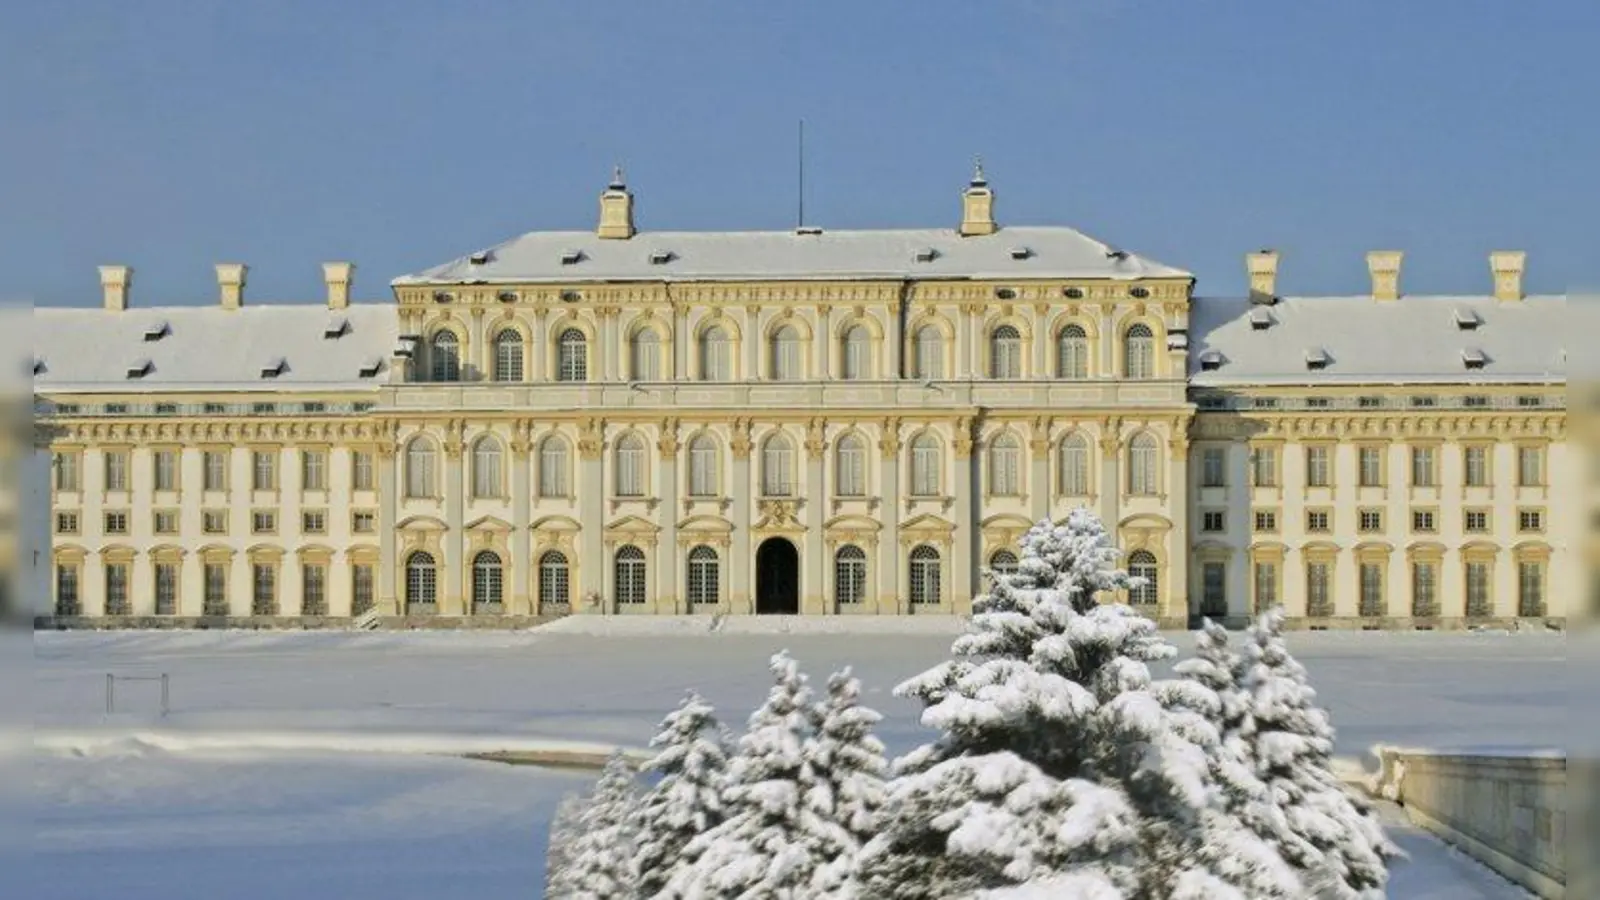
<point>889,442</point>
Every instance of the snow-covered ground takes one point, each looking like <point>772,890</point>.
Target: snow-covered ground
<point>250,787</point>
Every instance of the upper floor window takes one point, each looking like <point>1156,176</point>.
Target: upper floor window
<point>644,356</point>
<point>850,461</point>
<point>419,468</point>
<point>1143,454</point>
<point>630,466</point>
<point>928,353</point>
<point>1005,464</point>
<point>1072,353</point>
<point>702,466</point>
<point>66,470</point>
<point>1140,352</point>
<point>716,363</point>
<point>445,355</point>
<point>786,350</point>
<point>508,355</point>
<point>1005,352</point>
<point>486,468</point>
<point>1074,476</point>
<point>777,467</point>
<point>572,356</point>
<point>925,466</point>
<point>553,467</point>
<point>855,354</point>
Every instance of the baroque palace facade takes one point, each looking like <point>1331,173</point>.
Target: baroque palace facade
<point>815,422</point>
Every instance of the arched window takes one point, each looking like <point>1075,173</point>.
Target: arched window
<point>630,466</point>
<point>703,466</point>
<point>1074,464</point>
<point>703,576</point>
<point>508,355</point>
<point>1142,456</point>
<point>420,463</point>
<point>925,466</point>
<point>486,468</point>
<point>1002,562</point>
<point>1005,465</point>
<point>849,575</point>
<point>553,467</point>
<point>777,467</point>
<point>422,583</point>
<point>715,355</point>
<point>630,575</point>
<point>1005,352</point>
<point>787,364</point>
<point>445,354</point>
<point>855,354</point>
<point>928,353</point>
<point>554,584</point>
<point>644,355</point>
<point>1142,564</point>
<point>924,575</point>
<point>572,356</point>
<point>850,465</point>
<point>1139,352</point>
<point>487,582</point>
<point>1072,353</point>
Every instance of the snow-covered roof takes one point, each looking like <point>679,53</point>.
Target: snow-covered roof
<point>1423,339</point>
<point>211,348</point>
<point>1012,252</point>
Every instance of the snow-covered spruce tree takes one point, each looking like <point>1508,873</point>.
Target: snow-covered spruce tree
<point>599,862</point>
<point>1056,762</point>
<point>770,843</point>
<point>691,762</point>
<point>1343,852</point>
<point>558,847</point>
<point>849,767</point>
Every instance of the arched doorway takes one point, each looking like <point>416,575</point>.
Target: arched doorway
<point>777,578</point>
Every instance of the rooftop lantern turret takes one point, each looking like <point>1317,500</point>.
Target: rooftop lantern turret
<point>616,209</point>
<point>977,204</point>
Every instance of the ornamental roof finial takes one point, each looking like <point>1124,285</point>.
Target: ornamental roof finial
<point>617,181</point>
<point>977,172</point>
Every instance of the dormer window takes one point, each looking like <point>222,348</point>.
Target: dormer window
<point>141,368</point>
<point>1178,340</point>
<point>926,255</point>
<point>371,368</point>
<point>1021,253</point>
<point>275,368</point>
<point>1073,293</point>
<point>480,258</point>
<point>1467,319</point>
<point>507,296</point>
<point>157,331</point>
<point>662,257</point>
<point>407,346</point>
<point>1005,293</point>
<point>571,257</point>
<point>38,367</point>
<point>1317,358</point>
<point>1261,318</point>
<point>1139,292</point>
<point>1117,255</point>
<point>1211,360</point>
<point>1474,358</point>
<point>441,296</point>
<point>336,329</point>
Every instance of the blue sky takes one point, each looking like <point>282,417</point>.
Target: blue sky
<point>173,135</point>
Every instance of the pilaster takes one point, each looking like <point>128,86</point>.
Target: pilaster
<point>813,601</point>
<point>1178,537</point>
<point>742,565</point>
<point>963,539</point>
<point>591,487</point>
<point>964,318</point>
<point>822,341</point>
<point>1111,473</point>
<point>520,580</point>
<point>452,578</point>
<point>389,487</point>
<point>667,599</point>
<point>1039,471</point>
<point>750,344</point>
<point>890,599</point>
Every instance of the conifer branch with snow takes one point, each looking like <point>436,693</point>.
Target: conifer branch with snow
<point>598,862</point>
<point>848,766</point>
<point>691,765</point>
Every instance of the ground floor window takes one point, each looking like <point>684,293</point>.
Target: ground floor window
<point>314,590</point>
<point>117,602</point>
<point>488,583</point>
<point>630,573</point>
<point>216,593</point>
<point>1424,590</point>
<point>362,594</point>
<point>703,576</point>
<point>264,590</point>
<point>166,589</point>
<point>1213,589</point>
<point>1142,565</point>
<point>68,603</point>
<point>422,583</point>
<point>1002,562</point>
<point>553,579</point>
<point>925,571</point>
<point>1530,590</point>
<point>1319,599</point>
<point>1479,602</point>
<point>1266,586</point>
<point>850,575</point>
<point>1371,590</point>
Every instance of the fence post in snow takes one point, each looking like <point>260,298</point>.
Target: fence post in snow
<point>110,689</point>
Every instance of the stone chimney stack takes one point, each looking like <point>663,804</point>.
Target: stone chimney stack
<point>616,209</point>
<point>1263,268</point>
<point>1384,266</point>
<point>337,276</point>
<point>1508,266</point>
<point>230,283</point>
<point>977,205</point>
<point>114,284</point>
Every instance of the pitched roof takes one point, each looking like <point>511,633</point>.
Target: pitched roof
<point>1413,339</point>
<point>789,255</point>
<point>210,348</point>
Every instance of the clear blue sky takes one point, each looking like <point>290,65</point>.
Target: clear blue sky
<point>172,135</point>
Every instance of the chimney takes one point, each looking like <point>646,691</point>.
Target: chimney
<point>230,281</point>
<point>337,276</point>
<point>1384,265</point>
<point>1507,266</point>
<point>616,209</point>
<point>977,205</point>
<point>114,283</point>
<point>1263,268</point>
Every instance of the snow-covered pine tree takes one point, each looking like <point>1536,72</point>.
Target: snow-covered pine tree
<point>600,857</point>
<point>558,847</point>
<point>691,763</point>
<point>770,843</point>
<point>849,768</point>
<point>1291,741</point>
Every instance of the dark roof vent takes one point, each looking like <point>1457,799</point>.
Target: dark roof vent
<point>809,230</point>
<point>275,368</point>
<point>1317,358</point>
<point>1177,340</point>
<point>1073,293</point>
<point>571,257</point>
<point>480,258</point>
<point>1118,255</point>
<point>141,368</point>
<point>507,296</point>
<point>1474,358</point>
<point>157,331</point>
<point>1211,360</point>
<point>407,345</point>
<point>662,257</point>
<point>442,297</point>
<point>1005,293</point>
<point>570,296</point>
<point>39,367</point>
<point>1021,253</point>
<point>371,368</point>
<point>1261,319</point>
<point>1467,319</point>
<point>336,329</point>
<point>926,255</point>
<point>1140,292</point>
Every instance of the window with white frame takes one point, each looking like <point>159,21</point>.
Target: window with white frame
<point>445,355</point>
<point>1142,565</point>
<point>1530,466</point>
<point>1319,466</point>
<point>488,582</point>
<point>630,465</point>
<point>1002,563</point>
<point>1005,352</point>
<point>630,575</point>
<point>313,589</point>
<point>116,522</point>
<point>1074,465</point>
<point>1476,463</point>
<point>1530,590</point>
<point>703,466</point>
<point>166,588</point>
<point>216,590</point>
<point>1139,352</point>
<point>1264,466</point>
<point>1266,586</point>
<point>486,468</point>
<point>1369,520</point>
<point>314,521</point>
<point>553,467</point>
<point>850,575</point>
<point>704,576</point>
<point>1475,521</point>
<point>1424,590</point>
<point>313,470</point>
<point>925,465</point>
<point>1319,599</point>
<point>1005,465</point>
<point>1480,602</point>
<point>1424,467</point>
<point>420,463</point>
<point>1214,589</point>
<point>1370,466</point>
<point>263,589</point>
<point>116,470</point>
<point>1318,520</point>
<point>1143,457</point>
<point>68,602</point>
<point>422,582</point>
<point>925,571</point>
<point>644,355</point>
<point>214,468</point>
<point>361,473</point>
<point>572,356</point>
<point>66,471</point>
<point>117,602</point>
<point>554,583</point>
<point>165,469</point>
<point>1372,604</point>
<point>264,470</point>
<point>855,354</point>
<point>508,355</point>
<point>786,350</point>
<point>927,353</point>
<point>1072,352</point>
<point>363,588</point>
<point>716,356</point>
<point>1213,467</point>
<point>850,466</point>
<point>777,467</point>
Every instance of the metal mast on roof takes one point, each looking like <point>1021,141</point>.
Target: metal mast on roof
<point>801,199</point>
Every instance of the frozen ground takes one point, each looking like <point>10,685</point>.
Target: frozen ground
<point>203,807</point>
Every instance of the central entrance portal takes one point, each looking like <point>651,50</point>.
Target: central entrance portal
<point>777,578</point>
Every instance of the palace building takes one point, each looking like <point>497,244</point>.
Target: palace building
<point>624,422</point>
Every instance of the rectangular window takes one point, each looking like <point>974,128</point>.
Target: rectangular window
<point>1475,401</point>
<point>1530,520</point>
<point>1424,520</point>
<point>1319,599</point>
<point>263,522</point>
<point>166,589</point>
<point>214,521</point>
<point>1371,590</point>
<point>1213,467</point>
<point>117,590</point>
<point>314,589</point>
<point>264,470</point>
<point>1266,586</point>
<point>1318,402</point>
<point>1369,402</point>
<point>166,522</point>
<point>1319,468</point>
<point>1266,520</point>
<point>363,521</point>
<point>1265,403</point>
<point>1424,590</point>
<point>1213,521</point>
<point>263,590</point>
<point>66,523</point>
<point>216,598</point>
<point>1371,520</point>
<point>67,600</point>
<point>314,521</point>
<point>1424,468</point>
<point>116,470</point>
<point>313,470</point>
<point>1214,589</point>
<point>1528,401</point>
<point>1264,466</point>
<point>1317,520</point>
<point>1476,460</point>
<point>1530,466</point>
<point>165,468</point>
<point>1476,521</point>
<point>116,523</point>
<point>1530,590</point>
<point>1424,401</point>
<point>1480,604</point>
<point>215,464</point>
<point>361,588</point>
<point>66,471</point>
<point>361,477</point>
<point>1371,466</point>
